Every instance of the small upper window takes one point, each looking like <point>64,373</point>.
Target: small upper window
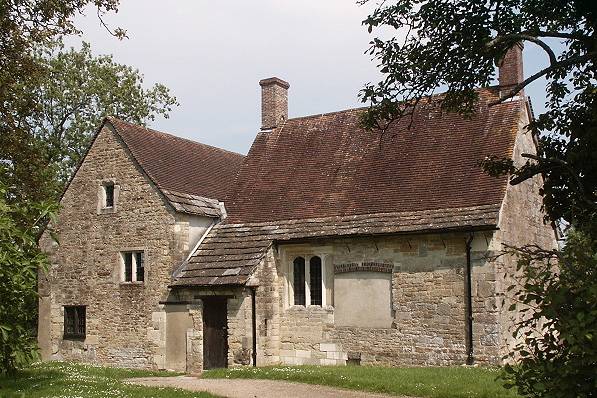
<point>109,195</point>
<point>74,321</point>
<point>134,266</point>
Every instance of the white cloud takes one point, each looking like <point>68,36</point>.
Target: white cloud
<point>212,54</point>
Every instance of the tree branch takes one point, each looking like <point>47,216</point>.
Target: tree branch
<point>522,36</point>
<point>551,163</point>
<point>118,33</point>
<point>559,35</point>
<point>561,64</point>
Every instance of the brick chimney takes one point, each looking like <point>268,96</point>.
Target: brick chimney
<point>510,67</point>
<point>274,102</point>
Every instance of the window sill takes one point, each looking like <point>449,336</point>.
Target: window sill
<point>132,283</point>
<point>106,210</point>
<point>73,337</point>
<point>299,308</point>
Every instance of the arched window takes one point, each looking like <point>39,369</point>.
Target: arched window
<point>315,279</point>
<point>299,281</point>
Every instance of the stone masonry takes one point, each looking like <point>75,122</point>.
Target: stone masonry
<point>522,224</point>
<point>274,102</point>
<point>125,321</point>
<point>427,292</point>
<point>387,297</point>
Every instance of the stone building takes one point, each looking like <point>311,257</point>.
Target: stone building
<point>326,244</point>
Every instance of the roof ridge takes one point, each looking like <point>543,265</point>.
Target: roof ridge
<point>358,108</point>
<point>158,155</point>
<point>327,113</point>
<point>170,135</point>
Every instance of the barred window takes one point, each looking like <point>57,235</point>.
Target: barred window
<point>134,266</point>
<point>74,321</point>
<point>299,281</point>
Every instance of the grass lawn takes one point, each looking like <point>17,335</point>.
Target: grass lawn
<point>434,382</point>
<point>68,380</point>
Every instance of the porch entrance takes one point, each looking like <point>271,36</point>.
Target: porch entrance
<point>215,332</point>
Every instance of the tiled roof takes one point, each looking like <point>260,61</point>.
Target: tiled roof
<point>192,204</point>
<point>324,176</point>
<point>231,252</point>
<point>192,176</point>
<point>326,165</point>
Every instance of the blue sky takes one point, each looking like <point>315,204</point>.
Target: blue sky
<point>212,54</point>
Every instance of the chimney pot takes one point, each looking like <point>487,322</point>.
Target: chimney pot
<point>274,102</point>
<point>510,67</point>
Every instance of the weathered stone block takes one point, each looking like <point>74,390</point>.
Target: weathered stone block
<point>328,347</point>
<point>303,354</point>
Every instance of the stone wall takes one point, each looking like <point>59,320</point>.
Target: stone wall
<point>195,339</point>
<point>427,299</point>
<point>427,291</point>
<point>125,322</point>
<point>521,223</point>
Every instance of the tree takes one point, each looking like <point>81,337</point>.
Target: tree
<point>26,26</point>
<point>561,360</point>
<point>20,260</point>
<point>44,99</point>
<point>79,91</point>
<point>455,44</point>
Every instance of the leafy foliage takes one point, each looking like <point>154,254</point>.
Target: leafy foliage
<point>73,94</point>
<point>454,44</point>
<point>26,26</point>
<point>557,348</point>
<point>50,103</point>
<point>20,260</point>
<point>79,91</point>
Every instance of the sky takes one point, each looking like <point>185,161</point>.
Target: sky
<point>212,54</point>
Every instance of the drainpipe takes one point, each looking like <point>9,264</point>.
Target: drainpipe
<point>254,321</point>
<point>468,303</point>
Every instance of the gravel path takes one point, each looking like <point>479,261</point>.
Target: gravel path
<point>249,388</point>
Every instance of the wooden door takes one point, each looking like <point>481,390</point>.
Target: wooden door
<point>215,333</point>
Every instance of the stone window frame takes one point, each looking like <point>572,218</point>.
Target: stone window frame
<point>121,266</point>
<point>307,255</point>
<point>101,196</point>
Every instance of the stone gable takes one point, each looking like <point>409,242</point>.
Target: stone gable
<point>521,223</point>
<point>86,265</point>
